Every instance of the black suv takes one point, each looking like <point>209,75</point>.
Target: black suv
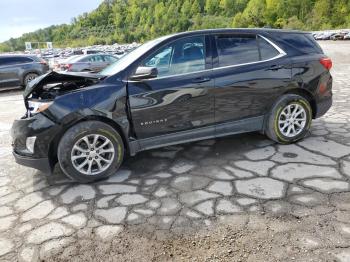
<point>18,70</point>
<point>175,89</point>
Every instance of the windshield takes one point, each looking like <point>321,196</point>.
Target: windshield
<point>129,58</point>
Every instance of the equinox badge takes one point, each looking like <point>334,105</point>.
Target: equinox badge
<point>153,122</point>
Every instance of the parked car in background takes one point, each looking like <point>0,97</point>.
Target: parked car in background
<point>347,36</point>
<point>87,63</point>
<point>334,35</point>
<point>338,36</point>
<point>62,61</point>
<point>18,70</point>
<point>90,51</point>
<point>326,36</point>
<point>318,36</point>
<point>178,88</point>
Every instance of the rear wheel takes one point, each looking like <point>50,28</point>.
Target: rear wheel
<point>90,151</point>
<point>29,77</point>
<point>289,120</point>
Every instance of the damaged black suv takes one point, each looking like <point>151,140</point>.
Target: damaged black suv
<point>175,89</point>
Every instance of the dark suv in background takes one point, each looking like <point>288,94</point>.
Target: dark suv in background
<point>18,70</point>
<point>175,89</point>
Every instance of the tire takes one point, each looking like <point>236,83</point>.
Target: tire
<point>75,138</point>
<point>277,119</point>
<point>29,77</point>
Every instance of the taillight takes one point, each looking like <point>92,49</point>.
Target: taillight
<point>68,67</point>
<point>43,62</point>
<point>327,63</point>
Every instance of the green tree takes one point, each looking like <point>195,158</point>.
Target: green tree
<point>140,20</point>
<point>212,7</point>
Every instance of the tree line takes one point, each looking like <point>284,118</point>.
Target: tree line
<point>125,21</point>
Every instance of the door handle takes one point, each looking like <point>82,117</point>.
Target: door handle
<point>199,80</point>
<point>275,67</point>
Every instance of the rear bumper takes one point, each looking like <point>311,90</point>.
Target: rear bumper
<point>41,164</point>
<point>323,106</point>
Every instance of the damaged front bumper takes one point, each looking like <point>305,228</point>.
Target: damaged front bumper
<point>41,164</point>
<point>36,155</point>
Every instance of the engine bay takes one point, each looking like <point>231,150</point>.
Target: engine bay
<point>52,90</point>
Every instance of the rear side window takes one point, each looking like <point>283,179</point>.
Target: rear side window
<point>315,44</point>
<point>21,60</point>
<point>95,58</point>
<point>5,61</point>
<point>302,42</point>
<point>235,50</point>
<point>15,60</point>
<point>108,58</point>
<point>267,51</point>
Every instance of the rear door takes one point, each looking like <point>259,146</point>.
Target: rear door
<point>250,72</point>
<point>181,97</point>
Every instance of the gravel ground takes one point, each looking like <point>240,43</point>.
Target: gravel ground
<point>239,198</point>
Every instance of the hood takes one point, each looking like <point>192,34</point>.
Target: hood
<point>37,85</point>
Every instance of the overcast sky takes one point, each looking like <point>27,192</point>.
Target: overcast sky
<point>23,16</point>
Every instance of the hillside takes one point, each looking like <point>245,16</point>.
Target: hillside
<point>139,20</point>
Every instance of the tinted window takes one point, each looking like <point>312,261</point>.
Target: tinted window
<point>20,60</point>
<point>15,60</point>
<point>91,52</point>
<point>5,60</point>
<point>267,51</point>
<point>77,52</point>
<point>235,50</point>
<point>111,59</point>
<point>301,42</point>
<point>91,59</point>
<point>314,43</point>
<point>182,56</point>
<point>96,58</point>
<point>160,60</point>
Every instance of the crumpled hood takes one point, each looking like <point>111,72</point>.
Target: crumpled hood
<point>38,83</point>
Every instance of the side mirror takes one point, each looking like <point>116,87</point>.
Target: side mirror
<point>144,72</point>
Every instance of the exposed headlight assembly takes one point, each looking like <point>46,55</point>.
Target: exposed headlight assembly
<point>37,107</point>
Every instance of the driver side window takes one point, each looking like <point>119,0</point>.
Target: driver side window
<point>182,56</point>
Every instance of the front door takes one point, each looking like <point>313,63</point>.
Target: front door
<point>181,97</point>
<point>8,72</point>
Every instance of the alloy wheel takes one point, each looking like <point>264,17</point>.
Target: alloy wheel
<point>92,154</point>
<point>292,120</point>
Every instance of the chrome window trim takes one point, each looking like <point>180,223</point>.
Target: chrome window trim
<point>280,50</point>
<point>282,53</point>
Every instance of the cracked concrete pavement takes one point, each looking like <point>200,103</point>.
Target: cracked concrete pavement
<point>245,183</point>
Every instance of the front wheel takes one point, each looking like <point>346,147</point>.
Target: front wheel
<point>90,151</point>
<point>289,120</point>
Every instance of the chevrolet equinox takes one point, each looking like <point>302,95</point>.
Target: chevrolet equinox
<point>175,89</point>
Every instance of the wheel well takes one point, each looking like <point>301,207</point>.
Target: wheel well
<point>308,96</point>
<point>27,73</point>
<point>54,144</point>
